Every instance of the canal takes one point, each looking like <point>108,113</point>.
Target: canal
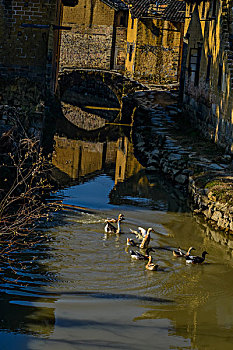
<point>80,289</point>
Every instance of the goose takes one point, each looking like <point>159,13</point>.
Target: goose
<point>109,228</point>
<point>131,242</point>
<point>140,234</point>
<point>146,240</point>
<point>151,266</point>
<point>196,259</point>
<point>179,254</point>
<point>138,256</point>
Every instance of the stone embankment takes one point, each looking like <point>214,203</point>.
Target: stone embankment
<point>164,140</point>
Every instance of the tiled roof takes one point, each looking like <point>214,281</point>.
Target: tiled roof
<point>139,7</point>
<point>175,11</point>
<point>172,10</point>
<point>116,4</point>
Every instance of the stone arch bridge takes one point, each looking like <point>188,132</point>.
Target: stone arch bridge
<point>119,84</point>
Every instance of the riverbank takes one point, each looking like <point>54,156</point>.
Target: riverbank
<point>164,140</point>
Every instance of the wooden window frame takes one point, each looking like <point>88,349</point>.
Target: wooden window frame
<point>194,64</point>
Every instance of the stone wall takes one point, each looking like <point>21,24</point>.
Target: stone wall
<point>195,166</point>
<point>86,49</point>
<point>23,100</point>
<point>89,43</point>
<point>120,48</point>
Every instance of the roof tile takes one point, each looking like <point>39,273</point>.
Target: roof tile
<point>172,10</point>
<point>116,4</point>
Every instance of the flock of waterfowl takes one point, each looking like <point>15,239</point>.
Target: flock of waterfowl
<point>143,237</point>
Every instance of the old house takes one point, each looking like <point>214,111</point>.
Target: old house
<point>208,69</point>
<point>97,38</point>
<point>154,40</point>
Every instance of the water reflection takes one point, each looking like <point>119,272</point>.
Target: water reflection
<point>202,311</point>
<point>81,288</point>
<point>78,161</point>
<point>88,103</point>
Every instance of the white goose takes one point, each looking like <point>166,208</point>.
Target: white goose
<point>109,228</point>
<point>140,234</point>
<point>146,240</point>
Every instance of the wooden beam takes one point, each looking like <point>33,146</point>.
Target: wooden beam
<point>44,26</point>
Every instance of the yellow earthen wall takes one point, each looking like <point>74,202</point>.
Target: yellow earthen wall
<point>213,102</point>
<point>156,50</point>
<point>131,40</point>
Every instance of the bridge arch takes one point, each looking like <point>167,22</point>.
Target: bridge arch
<point>119,84</point>
<point>94,97</point>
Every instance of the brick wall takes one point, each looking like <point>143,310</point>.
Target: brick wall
<point>28,52</point>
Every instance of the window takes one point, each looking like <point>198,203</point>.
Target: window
<point>132,23</point>
<point>119,174</point>
<point>130,52</point>
<point>208,68</point>
<point>194,65</point>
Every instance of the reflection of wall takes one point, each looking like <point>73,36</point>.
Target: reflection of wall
<point>79,158</point>
<point>91,155</point>
<point>111,152</point>
<point>126,163</point>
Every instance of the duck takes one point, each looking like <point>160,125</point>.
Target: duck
<point>109,228</point>
<point>140,234</point>
<point>139,256</point>
<point>196,259</point>
<point>146,240</point>
<point>131,242</point>
<point>151,266</point>
<point>179,254</point>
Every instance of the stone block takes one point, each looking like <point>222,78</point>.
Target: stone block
<point>216,215</point>
<point>181,179</point>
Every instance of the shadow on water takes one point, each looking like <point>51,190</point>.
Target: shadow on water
<point>116,296</point>
<point>25,306</point>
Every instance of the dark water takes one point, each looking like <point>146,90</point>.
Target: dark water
<point>81,290</point>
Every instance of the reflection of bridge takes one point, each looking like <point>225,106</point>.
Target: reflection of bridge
<point>119,84</point>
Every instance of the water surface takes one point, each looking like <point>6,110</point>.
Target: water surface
<point>80,289</point>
